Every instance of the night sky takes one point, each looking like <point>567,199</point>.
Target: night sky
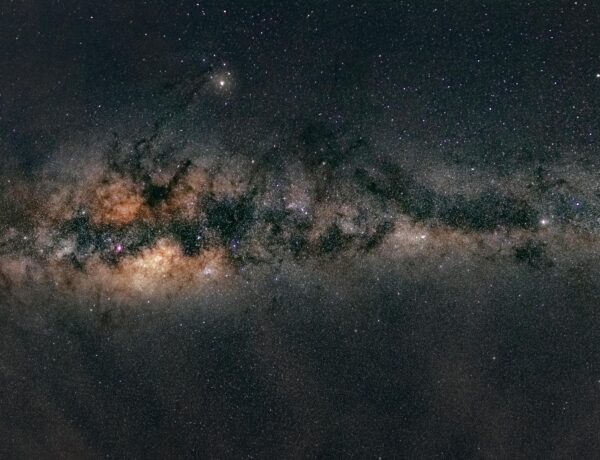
<point>300,229</point>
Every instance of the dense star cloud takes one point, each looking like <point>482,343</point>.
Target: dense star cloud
<point>144,202</point>
<point>311,229</point>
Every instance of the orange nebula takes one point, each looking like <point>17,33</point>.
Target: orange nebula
<point>118,202</point>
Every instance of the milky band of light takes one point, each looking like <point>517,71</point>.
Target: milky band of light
<point>126,229</point>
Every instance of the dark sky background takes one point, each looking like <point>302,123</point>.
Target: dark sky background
<point>477,74</point>
<point>302,229</point>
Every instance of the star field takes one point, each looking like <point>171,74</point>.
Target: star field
<point>301,229</point>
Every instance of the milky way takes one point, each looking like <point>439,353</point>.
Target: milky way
<point>131,220</point>
<point>306,230</point>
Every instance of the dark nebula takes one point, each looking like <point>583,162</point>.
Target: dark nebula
<point>299,229</point>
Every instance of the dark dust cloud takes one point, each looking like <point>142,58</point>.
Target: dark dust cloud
<point>299,229</point>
